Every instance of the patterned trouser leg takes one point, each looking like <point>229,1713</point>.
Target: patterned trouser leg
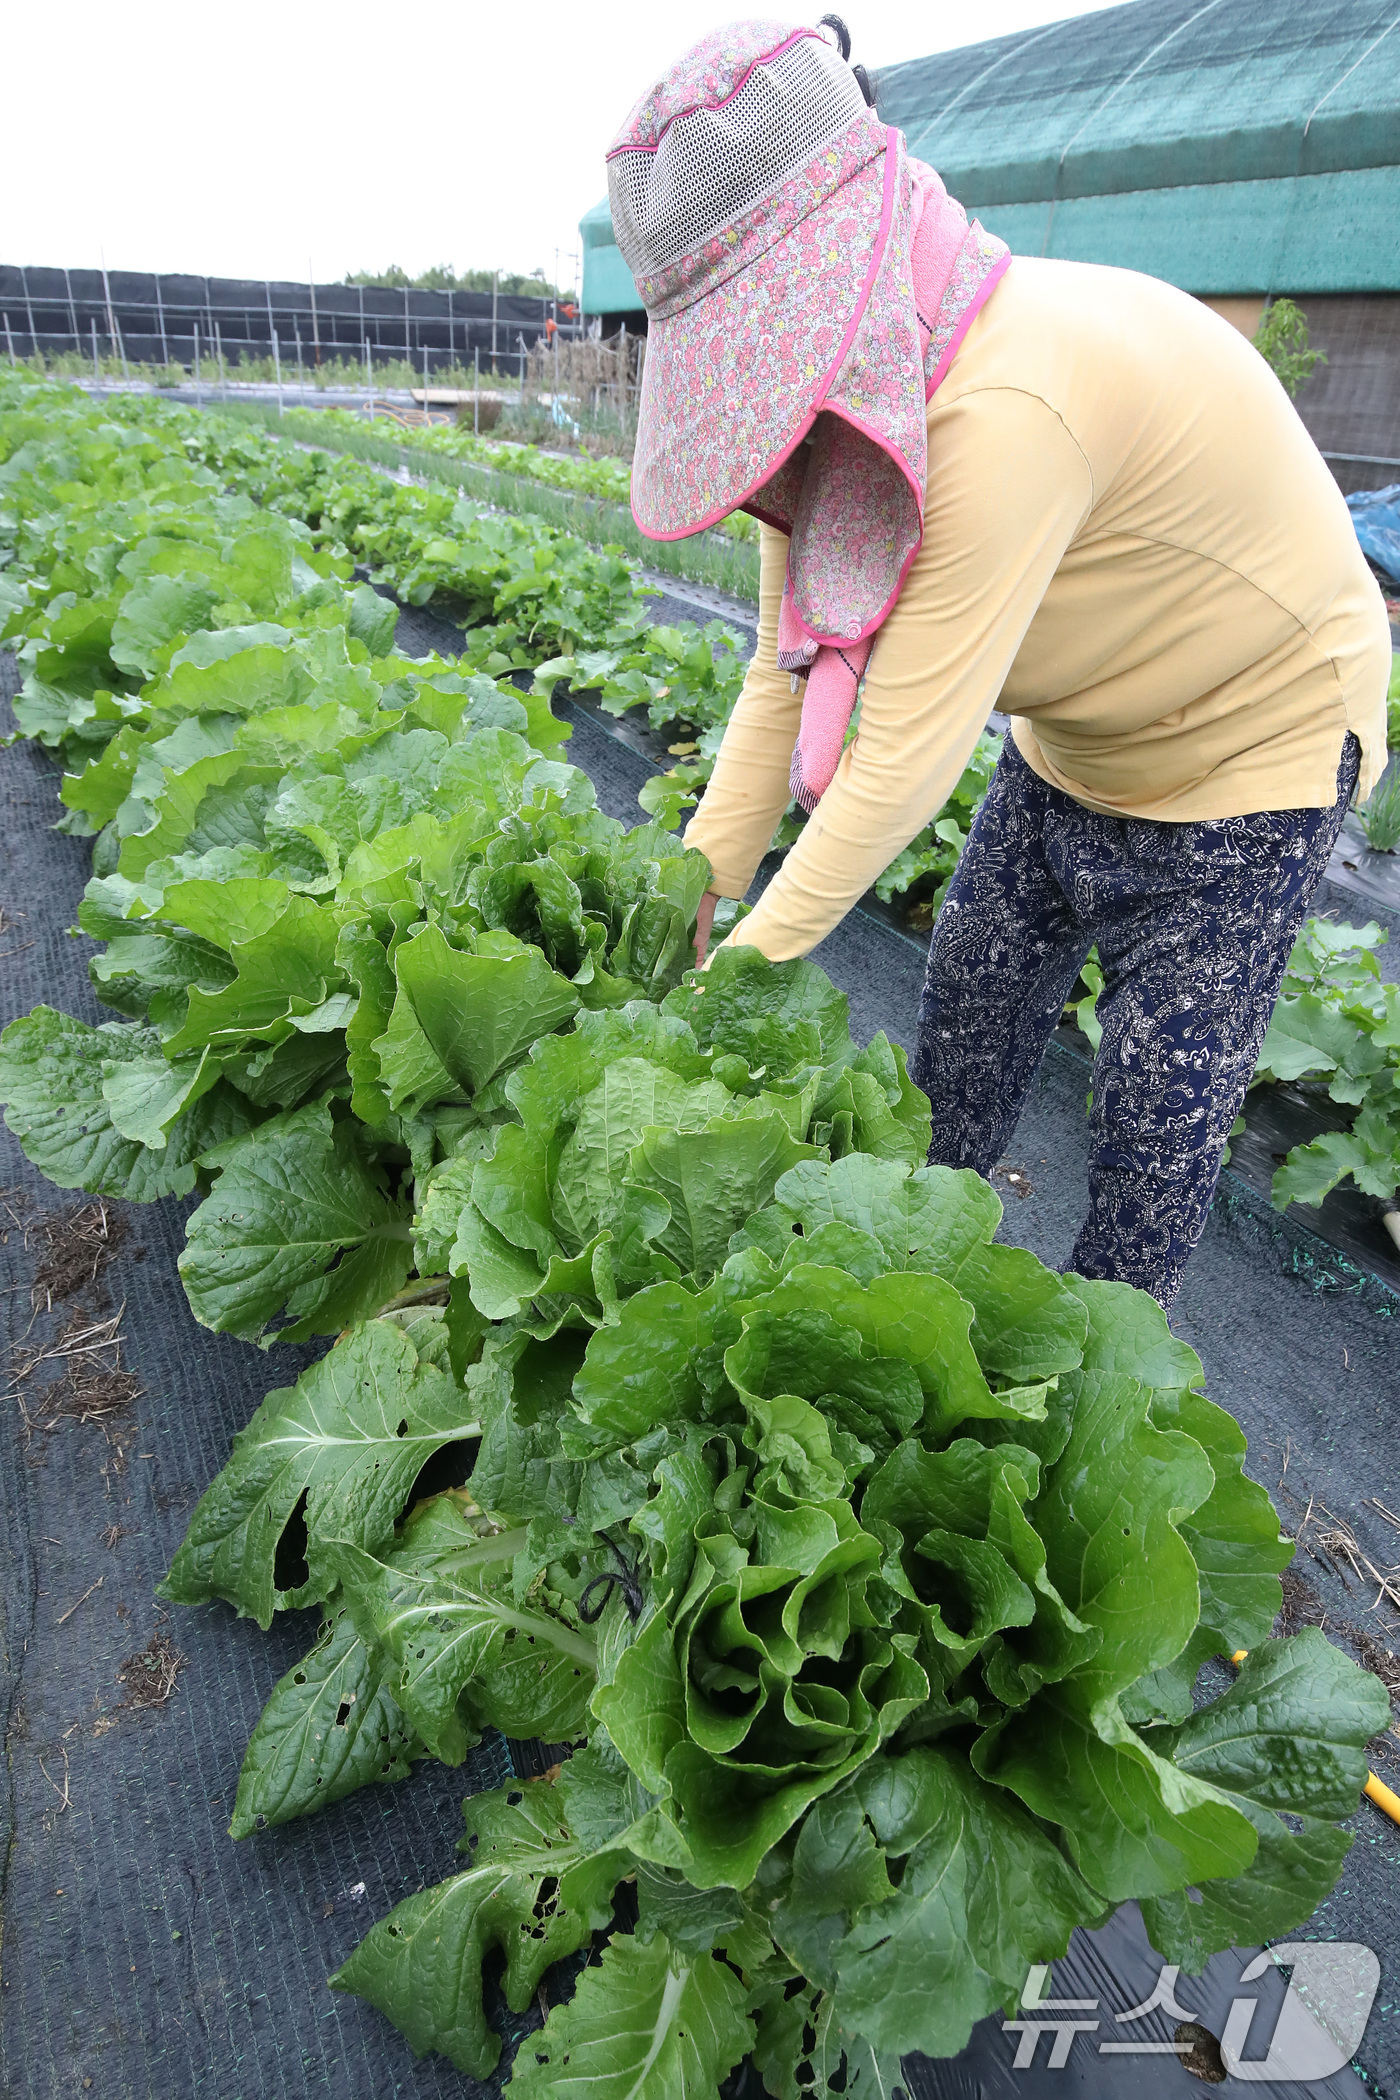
<point>1193,924</point>
<point>1005,953</point>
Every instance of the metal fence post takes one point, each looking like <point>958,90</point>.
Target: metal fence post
<point>369,380</point>
<point>107,298</point>
<point>495,302</point>
<point>407,345</point>
<point>272,337</point>
<point>219,354</point>
<point>296,330</point>
<point>29,309</point>
<point>72,311</point>
<point>315,322</point>
<point>96,365</point>
<point>160,316</point>
<point>10,339</point>
<point>476,392</point>
<point>198,399</point>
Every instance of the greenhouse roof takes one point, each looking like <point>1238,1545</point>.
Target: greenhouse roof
<point>1230,146</point>
<point>607,281</point>
<point>1236,145</point>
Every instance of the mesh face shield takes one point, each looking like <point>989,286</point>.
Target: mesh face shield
<point>714,164</point>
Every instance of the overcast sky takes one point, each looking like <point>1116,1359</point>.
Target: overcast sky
<point>271,139</point>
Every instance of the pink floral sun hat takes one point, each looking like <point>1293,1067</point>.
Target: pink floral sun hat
<point>806,286</point>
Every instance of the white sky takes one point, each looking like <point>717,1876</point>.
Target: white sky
<point>275,138</point>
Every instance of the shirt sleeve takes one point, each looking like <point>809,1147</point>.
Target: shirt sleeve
<point>1008,488</point>
<point>748,790</point>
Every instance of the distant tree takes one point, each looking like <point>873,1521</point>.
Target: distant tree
<point>442,278</point>
<point>1282,341</point>
<point>393,279</point>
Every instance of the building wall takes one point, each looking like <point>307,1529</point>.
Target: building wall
<point>1352,403</point>
<point>1244,314</point>
<point>1229,244</point>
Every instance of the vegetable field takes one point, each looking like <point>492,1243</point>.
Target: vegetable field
<point>649,1397</point>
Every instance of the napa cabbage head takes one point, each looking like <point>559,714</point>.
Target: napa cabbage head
<point>646,1138</point>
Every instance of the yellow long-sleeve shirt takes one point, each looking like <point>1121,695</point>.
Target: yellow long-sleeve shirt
<point>1133,547</point>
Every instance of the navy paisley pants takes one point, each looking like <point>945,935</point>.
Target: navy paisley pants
<point>1193,924</point>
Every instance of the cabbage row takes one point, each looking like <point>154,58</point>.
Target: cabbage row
<point>1335,1035</point>
<point>1336,1032</point>
<point>687,680</point>
<point>678,1413</point>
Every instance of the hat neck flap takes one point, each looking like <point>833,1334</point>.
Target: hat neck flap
<point>850,495</point>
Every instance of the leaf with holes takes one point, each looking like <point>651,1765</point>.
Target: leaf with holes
<point>803,2053</point>
<point>981,1891</point>
<point>340,1450</point>
<point>544,1863</point>
<point>330,1727</point>
<point>440,1605</point>
<point>648,2019</point>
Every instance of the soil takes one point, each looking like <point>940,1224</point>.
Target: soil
<point>92,1386</point>
<point>1203,2060</point>
<point>80,1244</point>
<point>150,1676</point>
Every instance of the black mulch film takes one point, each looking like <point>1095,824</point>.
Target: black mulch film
<point>145,1955</point>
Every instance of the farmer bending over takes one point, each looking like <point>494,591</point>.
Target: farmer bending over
<point>1070,492</point>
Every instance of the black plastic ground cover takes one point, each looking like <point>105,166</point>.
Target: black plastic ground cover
<point>145,1950</point>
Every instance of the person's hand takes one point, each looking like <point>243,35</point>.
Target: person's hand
<point>704,920</point>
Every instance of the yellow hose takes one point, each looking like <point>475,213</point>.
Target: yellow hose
<point>1385,1798</point>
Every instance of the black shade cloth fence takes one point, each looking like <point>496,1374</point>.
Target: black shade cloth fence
<point>152,319</point>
